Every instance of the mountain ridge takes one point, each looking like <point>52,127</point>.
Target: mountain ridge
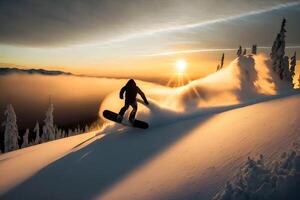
<point>10,70</point>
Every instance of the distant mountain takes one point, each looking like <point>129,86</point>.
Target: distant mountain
<point>8,70</point>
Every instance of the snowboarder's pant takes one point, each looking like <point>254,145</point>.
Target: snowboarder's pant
<point>133,112</point>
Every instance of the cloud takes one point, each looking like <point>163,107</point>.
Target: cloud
<point>59,23</point>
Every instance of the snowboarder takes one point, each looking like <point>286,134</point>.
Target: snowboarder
<point>131,90</point>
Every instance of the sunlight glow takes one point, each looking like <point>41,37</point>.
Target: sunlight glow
<point>181,66</point>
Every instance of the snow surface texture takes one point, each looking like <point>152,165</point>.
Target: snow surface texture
<point>193,146</point>
<point>257,181</point>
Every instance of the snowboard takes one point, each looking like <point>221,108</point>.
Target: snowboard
<point>113,117</point>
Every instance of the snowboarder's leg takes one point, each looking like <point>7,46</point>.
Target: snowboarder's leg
<point>133,112</point>
<point>122,112</point>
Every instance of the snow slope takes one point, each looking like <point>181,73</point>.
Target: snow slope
<point>199,136</point>
<point>17,166</point>
<point>189,159</point>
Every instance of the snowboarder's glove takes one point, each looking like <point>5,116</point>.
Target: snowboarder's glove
<point>146,102</point>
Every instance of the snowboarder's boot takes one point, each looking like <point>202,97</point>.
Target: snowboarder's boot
<point>119,118</point>
<point>131,120</point>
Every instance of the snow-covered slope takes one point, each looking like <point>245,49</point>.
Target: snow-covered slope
<point>199,136</point>
<point>18,165</point>
<point>190,159</point>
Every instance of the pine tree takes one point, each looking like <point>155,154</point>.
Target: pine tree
<point>293,65</point>
<point>70,132</point>
<point>239,51</point>
<point>244,52</point>
<point>278,50</point>
<point>37,133</point>
<point>254,49</point>
<point>58,134</point>
<point>220,66</point>
<point>48,128</point>
<point>11,133</point>
<point>222,61</point>
<point>63,134</point>
<point>86,129</point>
<point>285,71</point>
<point>25,139</point>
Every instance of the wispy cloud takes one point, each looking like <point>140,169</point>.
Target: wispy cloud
<point>189,51</point>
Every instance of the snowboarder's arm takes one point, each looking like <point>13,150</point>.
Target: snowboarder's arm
<point>143,96</point>
<point>122,92</point>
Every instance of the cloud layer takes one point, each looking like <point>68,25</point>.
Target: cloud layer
<point>63,22</point>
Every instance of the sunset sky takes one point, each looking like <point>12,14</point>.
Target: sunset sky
<point>139,37</point>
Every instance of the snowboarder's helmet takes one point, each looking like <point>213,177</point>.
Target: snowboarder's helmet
<point>131,82</point>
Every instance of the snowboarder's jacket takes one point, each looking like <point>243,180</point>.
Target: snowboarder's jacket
<point>132,90</point>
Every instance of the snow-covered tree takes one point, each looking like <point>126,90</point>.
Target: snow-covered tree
<point>222,60</point>
<point>220,66</point>
<point>25,139</point>
<point>293,65</point>
<point>58,133</point>
<point>48,128</point>
<point>63,134</point>
<point>11,133</point>
<point>285,70</point>
<point>37,133</point>
<point>278,49</point>
<point>239,51</point>
<point>70,132</point>
<point>244,52</point>
<point>254,49</point>
<point>86,129</point>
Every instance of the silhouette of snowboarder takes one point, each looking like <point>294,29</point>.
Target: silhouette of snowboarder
<point>131,90</point>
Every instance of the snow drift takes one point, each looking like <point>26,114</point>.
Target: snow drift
<point>246,79</point>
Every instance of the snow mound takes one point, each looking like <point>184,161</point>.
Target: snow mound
<point>279,180</point>
<point>247,78</point>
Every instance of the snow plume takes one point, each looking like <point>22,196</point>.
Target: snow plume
<point>256,180</point>
<point>248,78</point>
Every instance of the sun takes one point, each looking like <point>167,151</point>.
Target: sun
<point>181,66</point>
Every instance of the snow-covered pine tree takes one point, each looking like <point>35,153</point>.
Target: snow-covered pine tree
<point>220,66</point>
<point>58,134</point>
<point>244,52</point>
<point>86,129</point>
<point>63,134</point>
<point>254,49</point>
<point>70,132</point>
<point>278,49</point>
<point>37,133</point>
<point>25,139</point>
<point>11,133</point>
<point>285,70</point>
<point>222,61</point>
<point>239,51</point>
<point>293,65</point>
<point>48,128</point>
